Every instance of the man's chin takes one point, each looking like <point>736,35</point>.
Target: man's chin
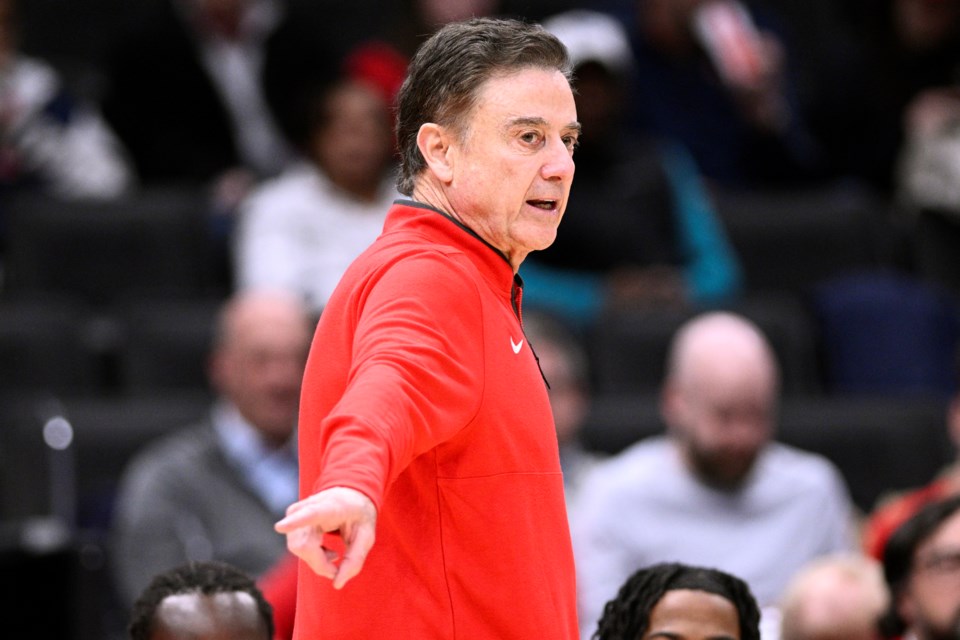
<point>728,478</point>
<point>544,241</point>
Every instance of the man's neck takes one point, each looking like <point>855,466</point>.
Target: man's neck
<point>431,194</point>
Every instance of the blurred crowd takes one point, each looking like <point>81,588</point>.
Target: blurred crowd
<point>683,102</point>
<point>766,207</point>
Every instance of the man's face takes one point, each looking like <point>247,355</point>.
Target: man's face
<point>930,602</point>
<point>513,164</point>
<point>260,370</point>
<point>723,416</point>
<point>355,143</point>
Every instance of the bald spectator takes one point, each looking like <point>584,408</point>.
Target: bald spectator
<point>213,490</point>
<point>839,597</point>
<point>716,489</point>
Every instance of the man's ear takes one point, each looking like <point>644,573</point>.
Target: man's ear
<point>434,140</point>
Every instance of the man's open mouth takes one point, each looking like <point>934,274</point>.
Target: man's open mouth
<point>546,205</point>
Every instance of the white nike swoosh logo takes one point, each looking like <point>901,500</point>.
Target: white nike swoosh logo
<point>516,345</point>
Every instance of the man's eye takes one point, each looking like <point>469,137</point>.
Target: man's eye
<point>572,142</point>
<point>948,563</point>
<point>531,137</point>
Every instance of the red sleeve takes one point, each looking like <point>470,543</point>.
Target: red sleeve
<point>416,374</point>
<point>279,588</point>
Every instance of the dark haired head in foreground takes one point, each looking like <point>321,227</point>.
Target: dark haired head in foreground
<point>670,598</point>
<point>202,601</point>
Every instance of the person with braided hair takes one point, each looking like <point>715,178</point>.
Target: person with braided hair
<point>681,602</point>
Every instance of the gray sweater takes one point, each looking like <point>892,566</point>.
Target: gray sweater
<point>180,500</point>
<point>644,506</point>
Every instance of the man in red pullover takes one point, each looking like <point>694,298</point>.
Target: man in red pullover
<point>424,416</point>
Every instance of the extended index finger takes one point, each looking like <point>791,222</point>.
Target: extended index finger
<point>299,515</point>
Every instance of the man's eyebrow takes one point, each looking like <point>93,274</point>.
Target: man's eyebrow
<point>535,121</point>
<point>527,121</point>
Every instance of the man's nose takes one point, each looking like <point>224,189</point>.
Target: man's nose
<point>559,162</point>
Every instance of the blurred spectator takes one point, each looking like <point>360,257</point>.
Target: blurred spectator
<point>672,600</point>
<point>49,140</point>
<point>639,228</point>
<point>929,160</point>
<point>214,490</point>
<point>926,178</point>
<point>717,76</point>
<point>716,489</point>
<point>921,564</point>
<point>199,91</point>
<point>301,230</point>
<point>896,509</point>
<point>839,597</point>
<point>201,601</point>
<point>185,93</point>
<point>566,368</point>
<point>897,75</point>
